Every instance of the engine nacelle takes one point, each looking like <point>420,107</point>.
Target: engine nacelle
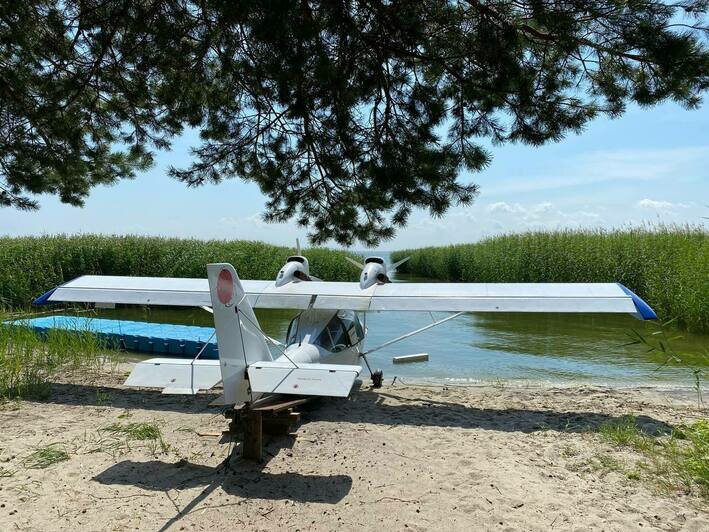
<point>295,269</point>
<point>374,272</point>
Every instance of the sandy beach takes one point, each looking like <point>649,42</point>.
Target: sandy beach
<point>402,457</point>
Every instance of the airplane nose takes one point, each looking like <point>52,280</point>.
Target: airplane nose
<point>372,274</point>
<point>292,271</point>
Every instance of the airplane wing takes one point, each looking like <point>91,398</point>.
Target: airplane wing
<point>458,297</point>
<point>465,297</point>
<point>170,291</point>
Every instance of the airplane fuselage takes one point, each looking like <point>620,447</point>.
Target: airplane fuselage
<point>325,337</point>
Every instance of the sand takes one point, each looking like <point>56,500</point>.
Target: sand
<point>402,457</point>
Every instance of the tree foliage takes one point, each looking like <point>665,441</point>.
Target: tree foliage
<point>347,114</point>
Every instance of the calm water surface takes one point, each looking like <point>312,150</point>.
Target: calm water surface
<point>560,348</point>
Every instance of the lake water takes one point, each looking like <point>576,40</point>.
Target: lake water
<point>559,348</point>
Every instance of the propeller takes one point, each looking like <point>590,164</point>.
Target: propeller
<point>374,270</point>
<point>296,268</point>
<point>399,263</point>
<point>356,263</point>
<point>392,268</point>
<point>302,276</point>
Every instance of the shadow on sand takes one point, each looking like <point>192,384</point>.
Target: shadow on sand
<point>238,478</point>
<point>244,479</point>
<point>366,406</point>
<point>129,398</point>
<point>369,407</point>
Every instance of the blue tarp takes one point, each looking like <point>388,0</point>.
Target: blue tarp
<point>158,338</point>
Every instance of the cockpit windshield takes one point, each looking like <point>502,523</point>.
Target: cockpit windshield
<point>334,336</point>
<point>342,331</point>
<point>352,325</point>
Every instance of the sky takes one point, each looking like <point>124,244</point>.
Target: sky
<point>648,166</point>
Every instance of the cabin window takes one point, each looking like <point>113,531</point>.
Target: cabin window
<point>292,334</point>
<point>352,326</point>
<point>334,337</point>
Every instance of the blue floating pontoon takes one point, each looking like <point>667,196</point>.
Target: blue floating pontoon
<point>151,338</point>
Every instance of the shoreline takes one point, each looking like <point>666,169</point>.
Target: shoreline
<point>448,382</point>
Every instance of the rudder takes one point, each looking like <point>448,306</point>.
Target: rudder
<point>239,337</point>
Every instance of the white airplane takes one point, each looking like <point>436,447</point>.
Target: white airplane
<point>324,343</point>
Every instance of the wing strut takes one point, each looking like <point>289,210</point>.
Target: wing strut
<point>412,333</point>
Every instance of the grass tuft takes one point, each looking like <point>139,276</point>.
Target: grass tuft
<point>678,461</point>
<point>136,431</point>
<point>45,457</point>
<point>140,431</point>
<point>623,432</point>
<point>693,458</point>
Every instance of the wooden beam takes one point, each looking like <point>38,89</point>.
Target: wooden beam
<point>272,415</point>
<point>280,423</point>
<point>253,436</point>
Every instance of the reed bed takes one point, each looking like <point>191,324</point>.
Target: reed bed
<point>28,360</point>
<point>31,265</point>
<point>668,266</point>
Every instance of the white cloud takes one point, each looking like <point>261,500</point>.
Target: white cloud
<point>659,205</point>
<point>545,206</point>
<point>503,206</point>
<point>647,203</point>
<point>528,212</point>
<point>471,223</point>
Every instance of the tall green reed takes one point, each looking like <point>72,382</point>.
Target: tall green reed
<point>668,266</point>
<point>31,265</point>
<point>28,361</point>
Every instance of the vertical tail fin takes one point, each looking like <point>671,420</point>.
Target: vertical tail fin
<point>240,340</point>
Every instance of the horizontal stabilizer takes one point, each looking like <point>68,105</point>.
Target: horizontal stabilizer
<point>329,380</point>
<point>175,375</point>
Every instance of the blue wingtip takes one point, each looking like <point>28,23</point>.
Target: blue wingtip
<point>44,298</point>
<point>644,310</point>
